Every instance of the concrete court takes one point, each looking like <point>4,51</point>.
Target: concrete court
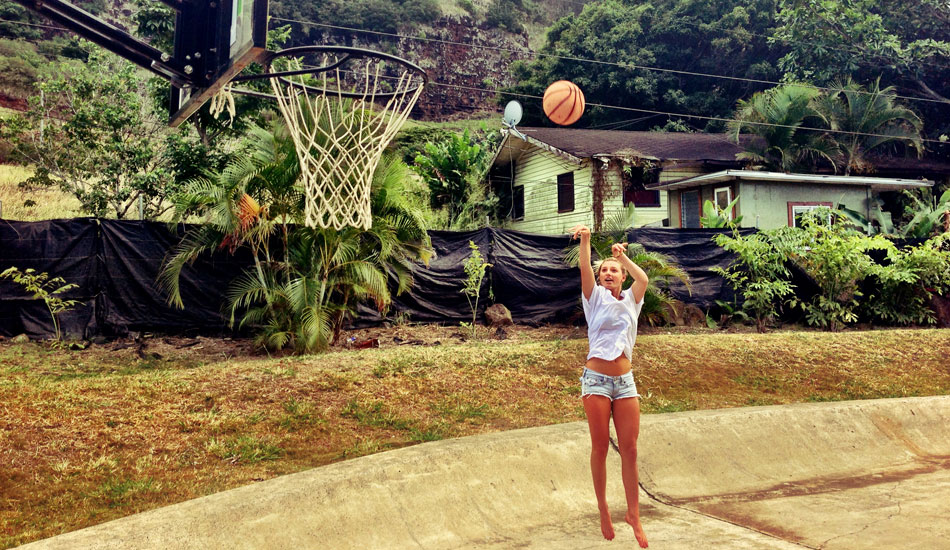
<point>852,475</point>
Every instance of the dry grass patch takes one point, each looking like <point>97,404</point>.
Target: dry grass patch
<point>35,205</point>
<point>94,435</point>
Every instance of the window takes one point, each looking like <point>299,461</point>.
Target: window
<point>634,187</point>
<point>796,209</point>
<point>517,203</point>
<point>723,196</point>
<point>565,192</point>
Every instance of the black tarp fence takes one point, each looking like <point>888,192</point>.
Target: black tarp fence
<point>116,263</point>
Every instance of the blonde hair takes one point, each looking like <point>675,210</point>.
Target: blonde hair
<point>599,263</point>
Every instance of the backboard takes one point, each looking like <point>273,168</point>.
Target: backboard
<point>216,40</point>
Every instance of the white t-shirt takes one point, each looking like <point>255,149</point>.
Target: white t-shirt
<point>611,323</point>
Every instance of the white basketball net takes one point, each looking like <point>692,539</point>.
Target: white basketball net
<point>339,140</point>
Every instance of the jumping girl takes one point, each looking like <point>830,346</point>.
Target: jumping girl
<point>607,386</point>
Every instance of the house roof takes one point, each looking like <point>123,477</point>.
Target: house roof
<point>877,183</point>
<point>717,150</point>
<point>927,167</point>
<point>580,143</point>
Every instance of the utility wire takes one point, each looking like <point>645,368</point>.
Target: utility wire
<point>585,60</point>
<point>632,109</point>
<point>566,58</point>
<point>24,23</point>
<point>685,115</point>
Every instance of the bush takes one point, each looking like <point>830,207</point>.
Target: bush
<point>421,11</point>
<point>505,15</point>
<point>758,274</point>
<point>836,259</point>
<point>908,281</point>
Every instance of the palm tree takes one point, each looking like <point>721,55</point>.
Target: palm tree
<point>777,117</point>
<point>230,202</point>
<point>867,121</point>
<point>302,299</point>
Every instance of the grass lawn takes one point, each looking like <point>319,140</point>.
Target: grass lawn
<point>89,436</point>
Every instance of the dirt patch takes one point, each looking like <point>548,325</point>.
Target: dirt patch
<point>147,346</point>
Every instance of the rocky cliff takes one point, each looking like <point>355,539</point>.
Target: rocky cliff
<point>465,62</point>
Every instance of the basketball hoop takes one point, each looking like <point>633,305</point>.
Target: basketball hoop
<point>342,106</point>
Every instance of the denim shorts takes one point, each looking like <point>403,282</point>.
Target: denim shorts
<point>614,387</point>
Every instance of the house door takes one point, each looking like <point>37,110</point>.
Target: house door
<point>689,209</point>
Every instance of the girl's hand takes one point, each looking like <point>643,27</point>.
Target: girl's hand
<point>619,249</point>
<point>581,231</point>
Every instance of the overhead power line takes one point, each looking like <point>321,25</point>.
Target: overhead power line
<point>25,24</point>
<point>682,115</point>
<point>585,60</point>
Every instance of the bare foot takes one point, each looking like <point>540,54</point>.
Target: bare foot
<point>634,521</point>
<point>606,526</point>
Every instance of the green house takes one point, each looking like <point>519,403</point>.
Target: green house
<point>768,200</point>
<point>551,179</point>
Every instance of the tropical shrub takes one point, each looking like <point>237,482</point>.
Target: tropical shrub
<point>836,259</point>
<point>758,273</point>
<point>906,283</point>
<point>718,218</point>
<point>453,170</point>
<point>928,214</point>
<point>304,282</point>
<point>880,221</point>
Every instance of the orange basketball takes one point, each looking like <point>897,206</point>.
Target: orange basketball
<point>563,102</point>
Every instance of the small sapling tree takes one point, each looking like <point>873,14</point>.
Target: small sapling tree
<point>475,269</point>
<point>46,289</point>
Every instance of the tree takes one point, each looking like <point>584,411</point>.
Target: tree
<point>453,170</point>
<point>90,132</point>
<point>777,117</point>
<point>868,121</point>
<point>692,36</point>
<point>906,44</point>
<point>299,293</point>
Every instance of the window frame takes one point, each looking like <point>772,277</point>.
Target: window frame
<point>728,191</point>
<point>565,191</point>
<point>802,207</point>
<point>517,202</point>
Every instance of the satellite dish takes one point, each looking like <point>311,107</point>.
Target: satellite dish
<point>512,114</point>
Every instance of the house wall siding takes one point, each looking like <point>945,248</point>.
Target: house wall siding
<point>765,205</point>
<point>644,215</point>
<point>537,170</point>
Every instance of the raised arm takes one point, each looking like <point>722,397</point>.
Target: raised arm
<point>640,279</point>
<point>587,271</point>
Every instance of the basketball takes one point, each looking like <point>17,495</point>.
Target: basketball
<point>563,102</point>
